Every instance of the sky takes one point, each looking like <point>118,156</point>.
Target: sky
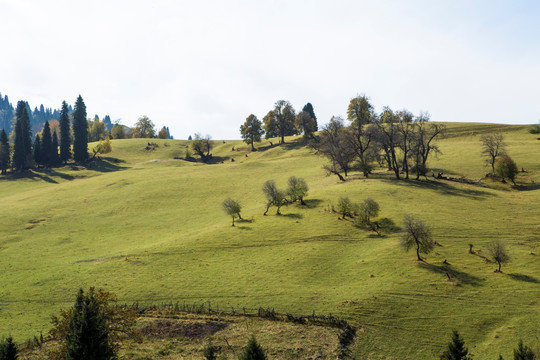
<point>204,66</point>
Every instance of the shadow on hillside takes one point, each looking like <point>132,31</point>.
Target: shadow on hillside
<point>526,187</point>
<point>41,174</point>
<point>444,188</point>
<point>463,277</point>
<point>526,278</point>
<point>243,227</point>
<point>105,165</point>
<point>293,216</point>
<point>295,144</point>
<point>312,203</point>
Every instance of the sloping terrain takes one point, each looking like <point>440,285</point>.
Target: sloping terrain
<point>150,228</point>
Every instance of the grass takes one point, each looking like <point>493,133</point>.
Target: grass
<point>150,228</point>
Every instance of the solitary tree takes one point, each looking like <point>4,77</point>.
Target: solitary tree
<point>493,146</point>
<point>80,132</point>
<point>506,168</point>
<point>418,235</point>
<point>232,208</point>
<point>103,147</point>
<point>497,253</point>
<point>274,196</point>
<point>297,189</point>
<point>202,146</point>
<point>4,151</point>
<point>87,337</point>
<point>144,128</point>
<point>523,352</point>
<point>251,131</point>
<point>456,349</point>
<point>8,349</point>
<point>368,210</point>
<point>346,207</point>
<point>65,134</point>
<point>253,351</point>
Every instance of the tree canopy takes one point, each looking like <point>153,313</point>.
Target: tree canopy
<point>251,130</point>
<point>416,234</point>
<point>80,132</point>
<point>144,128</point>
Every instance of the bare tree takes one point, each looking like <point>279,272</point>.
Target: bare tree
<point>388,136</point>
<point>335,144</point>
<point>405,128</point>
<point>360,114</point>
<point>423,145</point>
<point>497,253</point>
<point>232,208</point>
<point>297,189</point>
<point>416,234</point>
<point>274,196</point>
<point>493,146</point>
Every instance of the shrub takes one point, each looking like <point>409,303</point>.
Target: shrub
<point>346,207</point>
<point>253,351</point>
<point>506,168</point>
<point>8,350</point>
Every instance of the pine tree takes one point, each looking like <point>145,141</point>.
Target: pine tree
<point>80,132</point>
<point>309,109</point>
<point>54,157</point>
<point>4,151</point>
<point>65,134</point>
<point>253,351</point>
<point>88,335</point>
<point>456,349</point>
<point>8,350</point>
<point>22,149</point>
<point>37,150</point>
<point>46,145</point>
<point>523,352</point>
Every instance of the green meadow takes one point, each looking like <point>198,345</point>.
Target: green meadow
<point>150,228</point>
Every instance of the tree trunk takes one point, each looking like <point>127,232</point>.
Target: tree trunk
<point>233,221</point>
<point>499,267</point>
<point>418,251</point>
<point>267,208</point>
<point>240,217</point>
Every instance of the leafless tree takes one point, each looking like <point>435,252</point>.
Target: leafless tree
<point>493,146</point>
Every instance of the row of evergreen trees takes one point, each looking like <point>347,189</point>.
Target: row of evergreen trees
<point>46,150</point>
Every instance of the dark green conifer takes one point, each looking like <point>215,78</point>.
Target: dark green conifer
<point>309,109</point>
<point>80,132</point>
<point>88,335</point>
<point>37,151</point>
<point>253,351</point>
<point>4,151</point>
<point>54,157</point>
<point>46,145</point>
<point>8,350</point>
<point>22,147</point>
<point>523,352</point>
<point>65,134</point>
<point>456,349</point>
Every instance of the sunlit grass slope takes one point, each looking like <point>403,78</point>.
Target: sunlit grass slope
<point>151,229</point>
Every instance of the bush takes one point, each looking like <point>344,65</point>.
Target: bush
<point>8,350</point>
<point>523,352</point>
<point>253,351</point>
<point>535,129</point>
<point>506,168</point>
<point>346,207</point>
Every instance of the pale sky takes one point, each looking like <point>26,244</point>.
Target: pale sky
<point>204,66</point>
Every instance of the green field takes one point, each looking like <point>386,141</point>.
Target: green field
<point>151,229</point>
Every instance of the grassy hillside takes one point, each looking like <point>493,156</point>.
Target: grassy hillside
<point>150,228</point>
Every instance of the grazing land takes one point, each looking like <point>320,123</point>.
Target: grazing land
<point>151,229</point>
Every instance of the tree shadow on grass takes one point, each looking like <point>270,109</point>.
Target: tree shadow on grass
<point>312,203</point>
<point>244,227</point>
<point>105,165</point>
<point>448,270</point>
<point>293,216</point>
<point>526,187</point>
<point>444,188</point>
<point>526,278</point>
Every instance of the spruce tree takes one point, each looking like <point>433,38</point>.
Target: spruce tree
<point>4,151</point>
<point>253,351</point>
<point>22,149</point>
<point>523,352</point>
<point>88,335</point>
<point>80,132</point>
<point>65,134</point>
<point>8,350</point>
<point>309,109</point>
<point>54,157</point>
<point>46,145</point>
<point>456,349</point>
<point>37,151</point>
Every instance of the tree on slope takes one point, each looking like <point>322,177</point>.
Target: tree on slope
<point>416,234</point>
<point>253,351</point>
<point>497,253</point>
<point>36,150</point>
<point>251,131</point>
<point>335,144</point>
<point>506,168</point>
<point>493,146</point>
<point>360,114</point>
<point>280,121</point>
<point>54,157</point>
<point>456,349</point>
<point>65,134</point>
<point>297,190</point>
<point>4,151</point>
<point>144,128</point>
<point>80,132</point>
<point>8,350</point>
<point>46,145</point>
<point>274,196</point>
<point>87,337</point>
<point>232,208</point>
<point>523,352</point>
<point>306,124</point>
<point>309,109</point>
<point>22,147</point>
